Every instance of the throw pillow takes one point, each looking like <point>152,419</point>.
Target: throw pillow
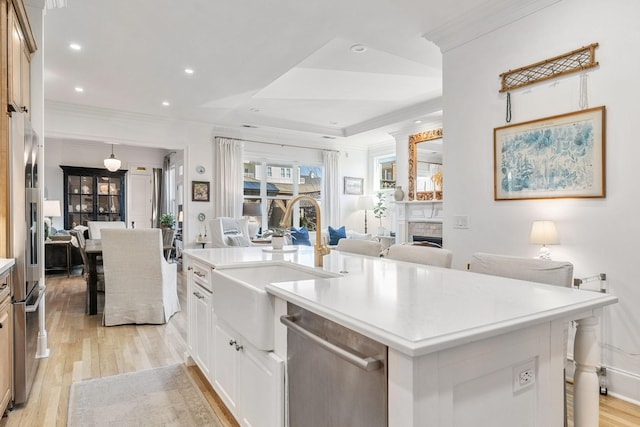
<point>360,236</point>
<point>300,236</point>
<point>238,240</point>
<point>336,234</point>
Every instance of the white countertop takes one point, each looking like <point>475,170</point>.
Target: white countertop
<point>6,264</point>
<point>413,308</point>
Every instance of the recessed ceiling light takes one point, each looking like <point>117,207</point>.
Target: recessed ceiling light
<point>165,103</point>
<point>188,70</point>
<point>358,48</point>
<point>250,126</point>
<point>75,46</point>
<point>254,109</point>
<point>328,137</point>
<point>417,122</point>
<point>333,123</point>
<point>78,89</point>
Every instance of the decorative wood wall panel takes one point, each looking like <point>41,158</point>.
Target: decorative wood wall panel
<point>570,62</point>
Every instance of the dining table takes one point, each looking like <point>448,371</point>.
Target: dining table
<point>93,248</point>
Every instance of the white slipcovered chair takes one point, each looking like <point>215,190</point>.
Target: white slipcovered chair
<point>140,285</point>
<point>420,254</point>
<point>362,247</point>
<point>227,232</point>
<point>95,227</point>
<point>559,273</point>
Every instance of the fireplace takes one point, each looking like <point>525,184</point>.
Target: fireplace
<point>419,221</point>
<point>430,232</point>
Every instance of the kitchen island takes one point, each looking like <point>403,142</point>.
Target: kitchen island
<point>457,341</point>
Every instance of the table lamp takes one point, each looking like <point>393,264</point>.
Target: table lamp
<point>252,210</point>
<point>50,209</point>
<point>544,233</point>
<point>365,203</point>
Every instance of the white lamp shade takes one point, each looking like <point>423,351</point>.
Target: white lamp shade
<point>365,203</point>
<point>51,208</point>
<point>251,209</point>
<point>544,233</point>
<point>112,164</point>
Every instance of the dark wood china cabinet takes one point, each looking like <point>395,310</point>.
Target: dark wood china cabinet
<point>93,194</point>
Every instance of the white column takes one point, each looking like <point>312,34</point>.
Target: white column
<point>586,353</point>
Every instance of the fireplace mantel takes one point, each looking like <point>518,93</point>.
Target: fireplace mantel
<point>415,211</point>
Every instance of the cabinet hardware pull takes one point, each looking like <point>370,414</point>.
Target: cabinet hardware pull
<point>232,342</point>
<point>197,273</point>
<point>368,363</point>
<point>239,347</point>
<point>189,268</point>
<point>198,295</point>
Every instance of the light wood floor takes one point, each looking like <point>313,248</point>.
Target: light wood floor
<point>82,349</point>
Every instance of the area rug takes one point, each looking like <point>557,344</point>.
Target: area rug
<point>164,396</point>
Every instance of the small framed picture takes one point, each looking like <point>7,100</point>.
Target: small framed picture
<point>353,185</point>
<point>199,191</point>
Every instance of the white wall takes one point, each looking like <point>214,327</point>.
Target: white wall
<point>597,235</point>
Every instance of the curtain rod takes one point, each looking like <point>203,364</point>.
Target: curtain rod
<point>279,144</point>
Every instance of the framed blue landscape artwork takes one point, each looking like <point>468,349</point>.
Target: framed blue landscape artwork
<point>554,157</point>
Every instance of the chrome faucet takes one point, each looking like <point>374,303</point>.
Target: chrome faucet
<point>320,249</point>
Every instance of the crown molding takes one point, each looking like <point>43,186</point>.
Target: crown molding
<point>482,19</point>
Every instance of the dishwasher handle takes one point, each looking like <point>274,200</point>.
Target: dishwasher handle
<point>368,364</point>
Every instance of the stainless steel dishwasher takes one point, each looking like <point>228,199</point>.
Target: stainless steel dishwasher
<point>336,377</point>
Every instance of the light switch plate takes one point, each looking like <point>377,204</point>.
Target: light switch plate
<point>461,221</point>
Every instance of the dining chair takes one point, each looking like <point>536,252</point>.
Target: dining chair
<point>140,285</point>
<point>559,273</point>
<point>362,247</point>
<point>79,236</point>
<point>96,227</point>
<point>420,254</point>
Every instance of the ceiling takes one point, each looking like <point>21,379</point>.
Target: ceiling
<point>281,65</point>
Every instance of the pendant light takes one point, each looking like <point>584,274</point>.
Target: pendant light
<point>112,164</point>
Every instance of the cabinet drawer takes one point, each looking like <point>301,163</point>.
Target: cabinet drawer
<point>202,275</point>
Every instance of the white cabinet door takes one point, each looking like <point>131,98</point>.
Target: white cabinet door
<point>225,359</point>
<point>260,388</point>
<point>202,316</point>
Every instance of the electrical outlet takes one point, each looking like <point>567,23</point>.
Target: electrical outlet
<point>524,375</point>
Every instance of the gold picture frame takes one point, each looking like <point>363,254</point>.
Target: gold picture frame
<point>555,157</point>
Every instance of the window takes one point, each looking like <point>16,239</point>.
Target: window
<point>275,192</point>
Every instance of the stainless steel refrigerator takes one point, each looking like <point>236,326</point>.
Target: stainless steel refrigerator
<point>26,236</point>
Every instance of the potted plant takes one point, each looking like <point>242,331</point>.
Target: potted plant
<point>380,210</point>
<point>167,220</point>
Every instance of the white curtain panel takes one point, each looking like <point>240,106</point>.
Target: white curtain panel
<point>228,185</point>
<point>331,190</point>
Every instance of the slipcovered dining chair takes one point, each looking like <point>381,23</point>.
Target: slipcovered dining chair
<point>95,227</point>
<point>362,247</point>
<point>420,254</point>
<point>559,273</point>
<point>140,285</point>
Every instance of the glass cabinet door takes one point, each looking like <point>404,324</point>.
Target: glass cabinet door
<point>80,199</point>
<point>109,199</point>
